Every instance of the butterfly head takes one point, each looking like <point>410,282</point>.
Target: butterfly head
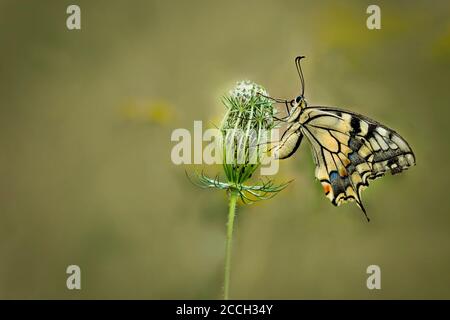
<point>299,102</point>
<point>296,108</point>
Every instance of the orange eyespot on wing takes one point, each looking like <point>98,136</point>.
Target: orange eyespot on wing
<point>326,187</point>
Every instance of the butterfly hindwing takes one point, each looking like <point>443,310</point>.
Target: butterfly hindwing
<point>349,149</point>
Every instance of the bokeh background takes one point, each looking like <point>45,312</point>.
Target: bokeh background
<point>86,176</point>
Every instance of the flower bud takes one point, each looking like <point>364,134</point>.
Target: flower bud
<point>246,130</point>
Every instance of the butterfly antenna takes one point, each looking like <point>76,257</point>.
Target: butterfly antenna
<point>300,72</point>
<point>273,99</point>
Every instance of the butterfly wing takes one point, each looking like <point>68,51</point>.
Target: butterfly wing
<point>350,149</point>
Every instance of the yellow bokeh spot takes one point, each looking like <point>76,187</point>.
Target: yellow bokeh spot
<point>159,112</point>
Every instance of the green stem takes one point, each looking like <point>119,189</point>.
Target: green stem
<point>231,215</point>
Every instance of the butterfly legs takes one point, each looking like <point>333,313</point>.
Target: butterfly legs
<point>276,100</point>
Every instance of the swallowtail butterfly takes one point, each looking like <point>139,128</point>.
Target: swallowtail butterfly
<point>349,149</point>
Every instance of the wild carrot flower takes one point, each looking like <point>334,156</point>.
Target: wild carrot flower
<point>245,133</point>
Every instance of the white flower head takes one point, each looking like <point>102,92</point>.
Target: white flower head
<point>246,90</point>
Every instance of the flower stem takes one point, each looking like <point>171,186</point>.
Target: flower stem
<point>231,215</point>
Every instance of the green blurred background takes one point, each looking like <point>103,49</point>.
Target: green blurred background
<point>86,176</point>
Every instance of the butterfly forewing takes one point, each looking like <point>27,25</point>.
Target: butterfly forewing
<point>349,149</point>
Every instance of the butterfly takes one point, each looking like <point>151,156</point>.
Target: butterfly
<point>349,149</point>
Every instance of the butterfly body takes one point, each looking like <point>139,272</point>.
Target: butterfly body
<point>349,149</point>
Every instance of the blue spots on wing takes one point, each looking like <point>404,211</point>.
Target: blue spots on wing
<point>333,176</point>
<point>354,144</point>
<point>353,157</point>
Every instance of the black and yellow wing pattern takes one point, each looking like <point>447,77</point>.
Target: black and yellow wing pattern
<point>350,149</point>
